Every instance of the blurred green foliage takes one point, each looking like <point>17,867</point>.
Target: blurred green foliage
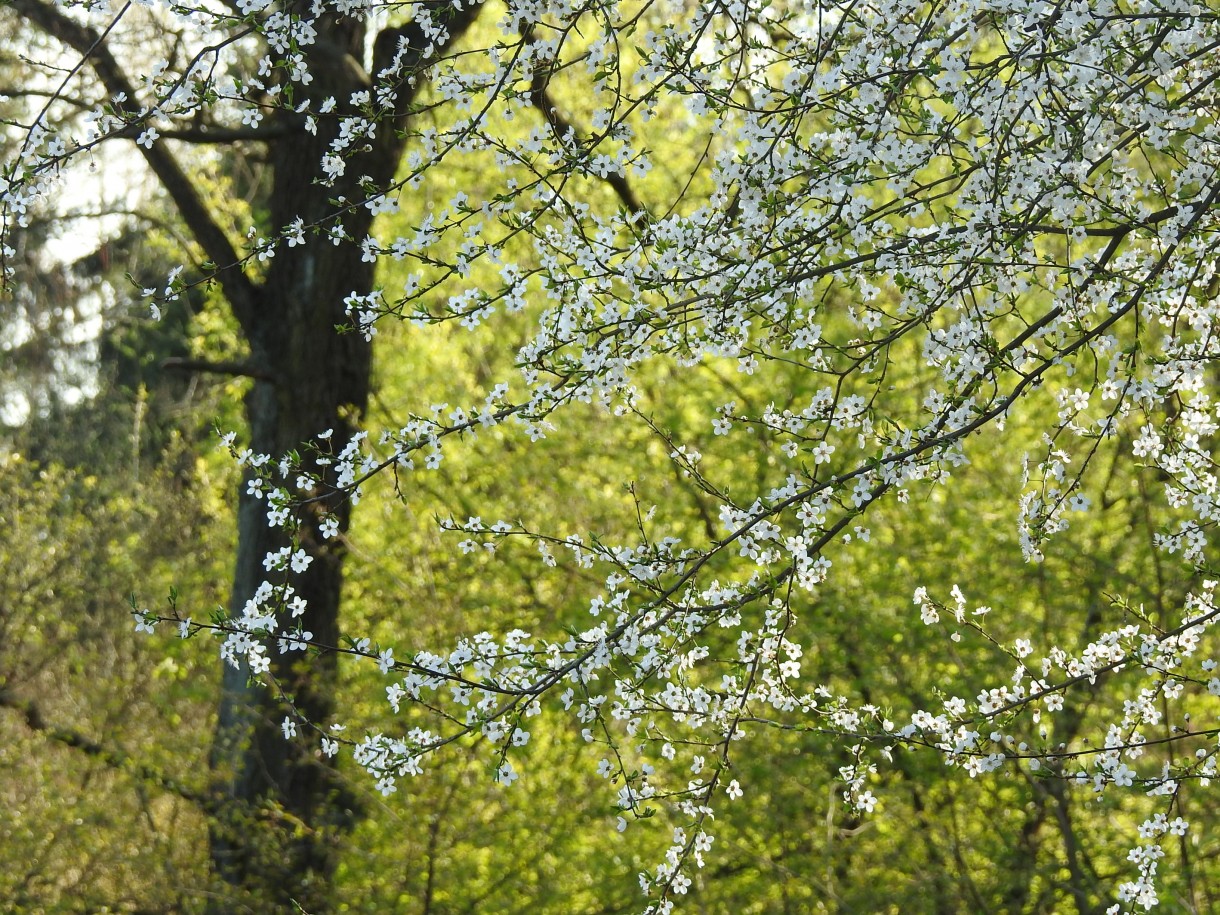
<point>104,735</point>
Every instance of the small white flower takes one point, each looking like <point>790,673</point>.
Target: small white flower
<point>385,660</point>
<point>505,775</point>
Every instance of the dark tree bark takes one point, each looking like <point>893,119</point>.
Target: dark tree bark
<point>284,809</point>
<point>314,380</point>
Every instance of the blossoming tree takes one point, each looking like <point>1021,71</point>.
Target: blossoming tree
<point>939,218</point>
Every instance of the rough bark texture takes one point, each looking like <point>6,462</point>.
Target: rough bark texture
<point>279,846</point>
<point>290,810</point>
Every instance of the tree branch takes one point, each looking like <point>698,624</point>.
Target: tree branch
<point>238,369</point>
<point>543,102</point>
<point>230,134</point>
<point>561,126</point>
<point>115,759</point>
<point>401,47</point>
<point>241,293</point>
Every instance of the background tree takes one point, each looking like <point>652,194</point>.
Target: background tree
<point>306,379</point>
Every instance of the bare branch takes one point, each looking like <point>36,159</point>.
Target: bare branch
<point>239,290</point>
<point>115,759</point>
<point>236,369</point>
<point>230,134</point>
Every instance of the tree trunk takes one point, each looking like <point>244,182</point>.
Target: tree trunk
<point>277,846</point>
<point>289,809</point>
